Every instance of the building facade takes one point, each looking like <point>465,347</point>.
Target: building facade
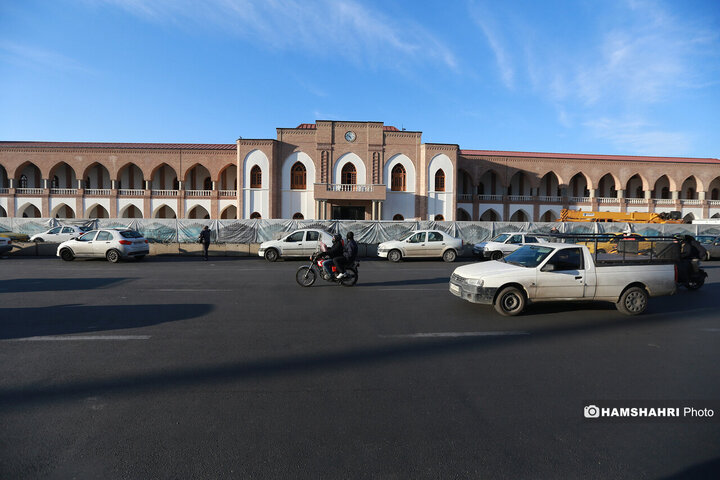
<point>341,170</point>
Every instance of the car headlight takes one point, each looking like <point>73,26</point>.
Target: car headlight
<point>475,282</point>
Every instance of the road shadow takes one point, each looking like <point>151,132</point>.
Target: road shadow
<point>17,323</point>
<point>27,285</point>
<point>390,351</point>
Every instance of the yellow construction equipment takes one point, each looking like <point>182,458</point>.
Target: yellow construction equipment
<point>620,217</point>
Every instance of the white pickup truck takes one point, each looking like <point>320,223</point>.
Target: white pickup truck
<point>563,272</point>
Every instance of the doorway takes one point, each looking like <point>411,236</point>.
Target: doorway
<point>348,213</point>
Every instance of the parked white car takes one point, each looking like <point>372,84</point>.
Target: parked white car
<point>505,243</point>
<point>300,243</point>
<point>422,243</point>
<point>5,245</point>
<point>59,234</point>
<point>562,272</point>
<point>110,243</point>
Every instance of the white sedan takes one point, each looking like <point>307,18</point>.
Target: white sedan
<point>422,243</point>
<point>110,243</point>
<point>300,243</point>
<point>59,234</point>
<point>504,244</point>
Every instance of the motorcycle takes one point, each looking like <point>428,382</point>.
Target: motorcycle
<point>690,275</point>
<point>307,274</point>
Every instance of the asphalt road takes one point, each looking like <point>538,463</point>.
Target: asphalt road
<point>179,368</point>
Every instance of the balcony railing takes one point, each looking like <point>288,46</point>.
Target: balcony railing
<point>687,201</point>
<point>549,199</point>
<point>165,193</point>
<point>465,198</point>
<point>636,201</point>
<point>198,193</point>
<point>490,198</point>
<point>664,201</point>
<point>607,200</point>
<point>349,187</point>
<point>520,198</point>
<point>63,191</point>
<point>98,191</point>
<point>711,203</point>
<point>579,199</point>
<point>29,191</point>
<point>228,193</point>
<point>131,192</point>
<point>4,191</point>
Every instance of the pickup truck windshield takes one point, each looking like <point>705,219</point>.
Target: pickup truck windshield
<point>529,256</point>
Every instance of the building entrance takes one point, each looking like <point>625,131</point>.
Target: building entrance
<point>340,212</point>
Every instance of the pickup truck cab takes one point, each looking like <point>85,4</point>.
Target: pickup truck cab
<point>563,272</point>
<point>504,244</point>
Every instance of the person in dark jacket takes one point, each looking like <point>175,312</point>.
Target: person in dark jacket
<point>349,254</point>
<point>204,238</point>
<point>335,251</point>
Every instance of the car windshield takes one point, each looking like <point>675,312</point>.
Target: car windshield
<point>130,234</point>
<point>501,238</point>
<point>529,256</point>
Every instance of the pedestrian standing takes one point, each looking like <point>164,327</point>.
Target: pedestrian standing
<point>204,238</point>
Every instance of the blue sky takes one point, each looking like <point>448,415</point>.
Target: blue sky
<point>627,77</point>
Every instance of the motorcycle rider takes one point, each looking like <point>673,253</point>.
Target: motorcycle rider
<point>335,251</point>
<point>691,251</point>
<point>348,256</point>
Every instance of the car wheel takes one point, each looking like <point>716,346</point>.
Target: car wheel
<point>305,276</point>
<point>272,255</point>
<point>497,255</point>
<point>633,301</point>
<point>449,255</point>
<point>67,255</point>
<point>510,301</point>
<point>113,256</point>
<point>38,240</point>
<point>394,256</point>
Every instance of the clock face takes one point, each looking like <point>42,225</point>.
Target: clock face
<point>350,136</point>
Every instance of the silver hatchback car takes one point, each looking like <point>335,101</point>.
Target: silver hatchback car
<point>110,243</point>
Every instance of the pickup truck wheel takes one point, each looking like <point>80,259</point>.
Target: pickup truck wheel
<point>497,255</point>
<point>394,256</point>
<point>633,301</point>
<point>449,256</point>
<point>510,301</point>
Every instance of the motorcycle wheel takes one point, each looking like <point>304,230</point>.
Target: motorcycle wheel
<point>351,278</point>
<point>305,276</point>
<point>695,284</point>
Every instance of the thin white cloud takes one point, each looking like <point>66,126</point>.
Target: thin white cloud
<point>40,59</point>
<point>499,48</point>
<point>639,137</point>
<point>347,29</point>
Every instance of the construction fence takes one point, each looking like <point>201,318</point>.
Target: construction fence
<point>366,232</point>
